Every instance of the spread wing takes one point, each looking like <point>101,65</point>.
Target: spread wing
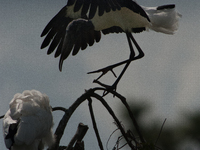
<point>57,31</point>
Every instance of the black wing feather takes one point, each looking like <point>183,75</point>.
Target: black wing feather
<point>114,29</point>
<point>77,47</point>
<point>132,5</point>
<point>91,38</point>
<point>85,8</point>
<point>169,6</point>
<point>102,8</point>
<point>93,9</point>
<point>84,43</point>
<point>57,35</point>
<point>78,5</point>
<point>112,6</point>
<point>97,36</point>
<point>116,4</point>
<point>54,44</point>
<point>105,6</point>
<point>54,21</point>
<point>59,48</point>
<point>71,2</point>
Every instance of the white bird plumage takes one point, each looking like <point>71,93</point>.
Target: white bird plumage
<point>80,23</point>
<point>28,123</point>
<point>163,19</point>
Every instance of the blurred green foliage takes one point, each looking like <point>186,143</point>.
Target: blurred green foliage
<point>182,136</point>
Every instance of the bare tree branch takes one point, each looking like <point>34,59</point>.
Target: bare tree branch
<point>133,120</point>
<point>59,108</point>
<point>77,139</point>
<point>63,122</point>
<point>114,117</point>
<point>94,123</point>
<point>123,100</point>
<point>87,96</point>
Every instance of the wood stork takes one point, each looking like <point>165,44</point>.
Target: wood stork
<point>28,123</point>
<point>80,23</point>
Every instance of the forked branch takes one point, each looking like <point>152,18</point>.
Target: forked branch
<point>88,95</point>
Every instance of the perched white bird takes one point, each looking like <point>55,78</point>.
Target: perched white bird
<point>81,22</point>
<point>28,123</point>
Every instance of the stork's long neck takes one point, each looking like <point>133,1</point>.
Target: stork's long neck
<point>163,18</point>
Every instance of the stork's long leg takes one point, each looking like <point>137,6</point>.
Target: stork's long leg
<point>141,53</point>
<point>131,58</point>
<point>127,62</point>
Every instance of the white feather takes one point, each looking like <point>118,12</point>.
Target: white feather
<point>32,112</point>
<point>165,20</point>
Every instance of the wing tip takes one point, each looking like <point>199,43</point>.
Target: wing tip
<point>60,64</point>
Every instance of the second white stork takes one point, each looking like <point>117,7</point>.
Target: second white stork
<point>80,23</point>
<point>28,123</point>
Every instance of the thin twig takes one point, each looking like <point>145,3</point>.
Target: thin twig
<point>123,100</point>
<point>59,108</point>
<point>114,117</point>
<point>94,123</point>
<point>160,131</point>
<point>133,120</point>
<point>110,137</point>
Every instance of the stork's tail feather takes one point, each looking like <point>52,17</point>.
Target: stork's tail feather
<point>163,18</point>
